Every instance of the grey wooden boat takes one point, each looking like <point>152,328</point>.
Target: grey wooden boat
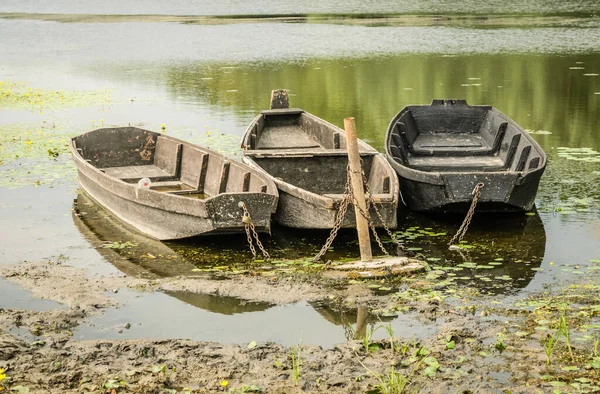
<point>443,150</point>
<point>307,159</point>
<point>192,190</point>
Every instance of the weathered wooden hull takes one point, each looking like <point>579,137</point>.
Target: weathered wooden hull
<point>442,151</point>
<point>502,193</point>
<point>298,208</point>
<point>166,216</point>
<point>306,158</point>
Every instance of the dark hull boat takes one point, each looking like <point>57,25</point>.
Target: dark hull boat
<point>307,159</point>
<point>169,189</point>
<point>443,150</point>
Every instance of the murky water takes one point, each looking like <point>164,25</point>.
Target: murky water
<point>223,319</point>
<point>207,82</point>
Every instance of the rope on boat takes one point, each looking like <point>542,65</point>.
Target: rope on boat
<point>465,224</point>
<point>251,233</point>
<point>341,214</point>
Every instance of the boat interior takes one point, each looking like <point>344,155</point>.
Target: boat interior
<point>450,135</point>
<point>292,129</point>
<point>326,174</point>
<point>173,167</point>
<point>301,150</point>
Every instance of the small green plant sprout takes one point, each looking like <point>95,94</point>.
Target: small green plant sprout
<point>500,345</point>
<point>366,339</point>
<point>596,343</point>
<point>549,343</point>
<point>393,382</point>
<point>450,342</point>
<point>563,327</point>
<point>395,346</point>
<point>296,358</point>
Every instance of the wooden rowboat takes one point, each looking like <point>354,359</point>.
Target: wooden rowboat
<point>167,188</point>
<point>307,159</point>
<point>443,150</point>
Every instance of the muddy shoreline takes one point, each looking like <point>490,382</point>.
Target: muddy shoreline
<point>478,346</point>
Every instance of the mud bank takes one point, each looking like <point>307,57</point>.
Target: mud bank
<point>477,344</point>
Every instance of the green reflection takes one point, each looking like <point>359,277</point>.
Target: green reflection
<point>550,93</point>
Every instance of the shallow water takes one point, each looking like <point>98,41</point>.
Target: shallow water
<point>224,319</point>
<point>207,82</point>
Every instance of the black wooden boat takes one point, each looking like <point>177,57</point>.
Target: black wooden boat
<point>443,150</point>
<point>169,189</point>
<point>307,159</point>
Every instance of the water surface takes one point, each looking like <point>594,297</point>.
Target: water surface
<point>207,82</point>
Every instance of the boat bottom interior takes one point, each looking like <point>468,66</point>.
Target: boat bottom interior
<point>325,175</point>
<point>495,145</point>
<point>294,130</point>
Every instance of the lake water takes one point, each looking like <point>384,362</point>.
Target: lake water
<point>206,82</point>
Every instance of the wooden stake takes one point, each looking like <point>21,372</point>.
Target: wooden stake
<point>362,226</point>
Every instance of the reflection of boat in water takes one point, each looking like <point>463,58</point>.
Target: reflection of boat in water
<point>510,247</point>
<point>142,257</point>
<point>219,304</point>
<point>167,188</point>
<point>147,258</point>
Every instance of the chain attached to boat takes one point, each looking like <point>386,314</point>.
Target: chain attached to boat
<point>343,208</point>
<point>251,232</point>
<point>371,202</point>
<point>341,214</point>
<point>465,224</point>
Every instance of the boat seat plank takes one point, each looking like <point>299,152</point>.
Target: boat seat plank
<point>457,163</point>
<point>450,143</point>
<point>148,171</point>
<point>287,153</point>
<point>286,137</point>
<point>171,186</point>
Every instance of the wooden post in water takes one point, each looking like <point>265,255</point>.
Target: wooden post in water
<point>362,226</point>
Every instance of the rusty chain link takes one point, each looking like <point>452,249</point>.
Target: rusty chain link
<point>343,208</point>
<point>465,224</point>
<point>389,232</point>
<point>341,214</point>
<point>251,232</point>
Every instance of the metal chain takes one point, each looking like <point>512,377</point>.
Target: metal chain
<point>251,231</point>
<point>367,215</point>
<point>341,213</point>
<point>370,200</point>
<point>465,224</point>
<point>343,208</point>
